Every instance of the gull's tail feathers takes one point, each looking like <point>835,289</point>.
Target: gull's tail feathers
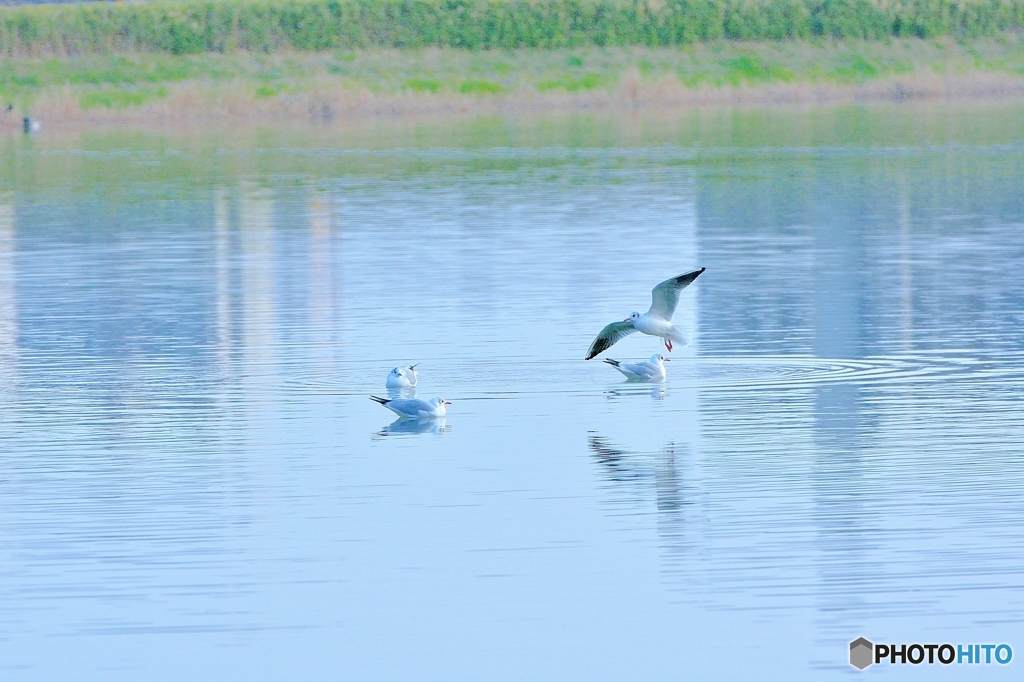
<point>613,363</point>
<point>681,336</point>
<point>382,401</point>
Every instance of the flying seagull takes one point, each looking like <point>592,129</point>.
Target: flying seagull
<point>402,377</point>
<point>656,322</point>
<point>652,370</point>
<point>414,408</point>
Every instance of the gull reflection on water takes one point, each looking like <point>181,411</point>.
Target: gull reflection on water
<point>622,465</point>
<point>615,462</point>
<point>635,474</point>
<point>656,391</point>
<point>404,426</point>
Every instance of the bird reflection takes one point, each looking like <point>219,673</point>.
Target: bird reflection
<point>636,474</point>
<point>616,463</point>
<point>656,392</point>
<point>408,426</point>
<point>621,466</point>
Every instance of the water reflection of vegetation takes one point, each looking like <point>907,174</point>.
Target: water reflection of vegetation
<point>556,146</point>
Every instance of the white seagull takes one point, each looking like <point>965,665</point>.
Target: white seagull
<point>652,370</point>
<point>402,377</point>
<point>656,322</point>
<point>414,408</point>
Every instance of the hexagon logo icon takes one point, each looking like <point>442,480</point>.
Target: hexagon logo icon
<point>862,653</point>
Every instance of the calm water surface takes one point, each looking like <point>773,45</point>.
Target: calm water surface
<point>195,486</point>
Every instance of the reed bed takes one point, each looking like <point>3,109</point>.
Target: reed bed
<point>197,26</point>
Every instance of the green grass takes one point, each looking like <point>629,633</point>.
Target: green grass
<point>421,85</point>
<point>265,91</point>
<point>587,81</point>
<point>480,87</point>
<point>122,55</point>
<point>858,69</point>
<point>123,81</point>
<point>754,68</point>
<point>196,26</point>
<point>120,98</point>
<point>114,70</point>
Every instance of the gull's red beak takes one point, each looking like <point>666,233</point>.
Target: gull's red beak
<point>447,403</point>
<point>627,319</point>
<point>666,359</point>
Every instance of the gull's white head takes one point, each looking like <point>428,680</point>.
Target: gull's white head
<point>633,317</point>
<point>658,358</point>
<point>439,401</point>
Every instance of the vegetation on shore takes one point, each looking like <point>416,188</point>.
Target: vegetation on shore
<point>123,81</point>
<point>196,26</point>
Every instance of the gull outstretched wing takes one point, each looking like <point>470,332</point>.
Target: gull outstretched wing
<point>609,336</point>
<point>665,296</point>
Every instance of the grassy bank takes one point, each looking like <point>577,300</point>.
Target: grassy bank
<point>324,86</point>
<point>196,26</point>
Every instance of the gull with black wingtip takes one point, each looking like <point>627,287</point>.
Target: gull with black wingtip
<point>414,408</point>
<point>655,322</point>
<point>652,370</point>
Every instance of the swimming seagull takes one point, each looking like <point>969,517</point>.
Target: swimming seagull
<point>649,370</point>
<point>656,322</point>
<point>402,377</point>
<point>414,408</point>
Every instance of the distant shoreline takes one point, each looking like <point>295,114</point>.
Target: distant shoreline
<point>190,108</point>
<point>166,92</point>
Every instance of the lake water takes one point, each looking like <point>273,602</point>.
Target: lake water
<point>194,484</point>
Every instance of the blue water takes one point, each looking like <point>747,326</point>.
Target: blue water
<point>194,484</point>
